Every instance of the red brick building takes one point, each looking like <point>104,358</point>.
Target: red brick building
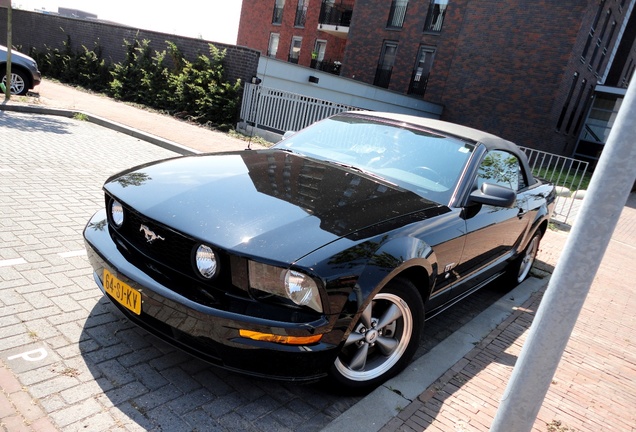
<point>522,70</point>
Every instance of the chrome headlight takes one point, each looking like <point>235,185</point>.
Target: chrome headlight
<point>206,261</point>
<point>291,284</point>
<point>117,213</point>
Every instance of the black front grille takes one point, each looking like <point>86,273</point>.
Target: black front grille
<point>157,242</point>
<point>163,250</point>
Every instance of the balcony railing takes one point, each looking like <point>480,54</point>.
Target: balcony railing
<point>332,67</point>
<point>418,84</point>
<point>382,77</point>
<point>336,15</point>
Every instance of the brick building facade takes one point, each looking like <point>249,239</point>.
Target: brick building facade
<point>523,70</point>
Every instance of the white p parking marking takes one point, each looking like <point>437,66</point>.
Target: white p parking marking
<point>31,356</point>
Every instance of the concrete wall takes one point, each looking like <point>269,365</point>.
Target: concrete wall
<point>293,78</point>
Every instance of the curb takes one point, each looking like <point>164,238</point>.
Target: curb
<point>100,121</point>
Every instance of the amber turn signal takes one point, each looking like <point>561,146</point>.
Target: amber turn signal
<point>289,340</point>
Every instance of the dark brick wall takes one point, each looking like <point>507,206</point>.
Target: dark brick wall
<point>500,66</point>
<point>508,68</point>
<point>31,29</point>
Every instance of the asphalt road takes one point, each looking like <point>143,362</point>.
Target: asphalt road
<point>76,356</point>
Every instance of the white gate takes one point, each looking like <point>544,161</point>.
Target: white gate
<point>281,111</point>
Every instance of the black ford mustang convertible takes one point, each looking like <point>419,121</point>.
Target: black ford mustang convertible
<point>324,254</point>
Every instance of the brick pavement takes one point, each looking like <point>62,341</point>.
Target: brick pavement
<point>68,360</point>
<point>593,388</point>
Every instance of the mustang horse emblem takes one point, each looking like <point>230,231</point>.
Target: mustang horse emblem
<point>150,235</point>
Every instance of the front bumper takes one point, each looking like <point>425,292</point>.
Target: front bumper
<point>205,332</point>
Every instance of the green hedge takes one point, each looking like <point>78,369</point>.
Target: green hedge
<point>163,80</point>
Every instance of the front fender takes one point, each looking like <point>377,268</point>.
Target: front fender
<point>391,258</point>
<point>394,257</point>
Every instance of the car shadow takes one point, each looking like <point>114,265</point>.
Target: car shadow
<point>491,349</point>
<point>160,387</point>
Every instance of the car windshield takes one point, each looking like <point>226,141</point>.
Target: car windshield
<point>422,161</point>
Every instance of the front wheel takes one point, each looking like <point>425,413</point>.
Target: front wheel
<point>19,82</point>
<point>384,338</point>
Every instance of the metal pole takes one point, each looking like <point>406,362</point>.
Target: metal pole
<point>573,275</point>
<point>7,90</point>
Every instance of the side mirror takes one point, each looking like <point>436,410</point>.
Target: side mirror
<point>494,195</point>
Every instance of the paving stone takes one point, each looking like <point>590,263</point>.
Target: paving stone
<point>44,213</point>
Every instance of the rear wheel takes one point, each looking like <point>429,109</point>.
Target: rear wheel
<point>520,268</point>
<point>384,338</point>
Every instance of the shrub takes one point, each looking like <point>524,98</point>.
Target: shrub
<point>84,67</point>
<point>163,80</point>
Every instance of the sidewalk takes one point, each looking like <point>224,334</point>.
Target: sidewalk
<point>594,388</point>
<point>57,96</point>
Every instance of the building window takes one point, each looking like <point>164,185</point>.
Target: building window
<point>278,12</point>
<point>575,79</point>
<point>319,50</point>
<point>590,36</point>
<point>597,126</point>
<point>397,14</point>
<point>272,48</point>
<point>294,50</point>
<point>626,77</point>
<point>435,17</point>
<point>604,53</point>
<point>301,13</point>
<point>586,105</point>
<point>576,106</point>
<point>421,71</point>
<point>385,65</point>
<point>599,41</point>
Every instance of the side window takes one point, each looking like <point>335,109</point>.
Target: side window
<point>501,168</point>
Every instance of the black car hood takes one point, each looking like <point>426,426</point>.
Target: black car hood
<point>263,203</point>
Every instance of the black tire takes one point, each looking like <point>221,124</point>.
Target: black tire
<point>20,82</point>
<point>519,269</point>
<point>383,340</point>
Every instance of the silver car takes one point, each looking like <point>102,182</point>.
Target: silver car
<point>24,71</point>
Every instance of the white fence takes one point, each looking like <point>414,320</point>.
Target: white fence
<point>281,111</point>
<point>567,174</point>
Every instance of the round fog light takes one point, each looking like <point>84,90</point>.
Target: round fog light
<point>117,213</point>
<point>206,261</point>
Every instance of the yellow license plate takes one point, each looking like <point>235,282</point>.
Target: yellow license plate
<point>123,293</point>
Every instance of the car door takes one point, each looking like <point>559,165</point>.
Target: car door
<point>492,231</point>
